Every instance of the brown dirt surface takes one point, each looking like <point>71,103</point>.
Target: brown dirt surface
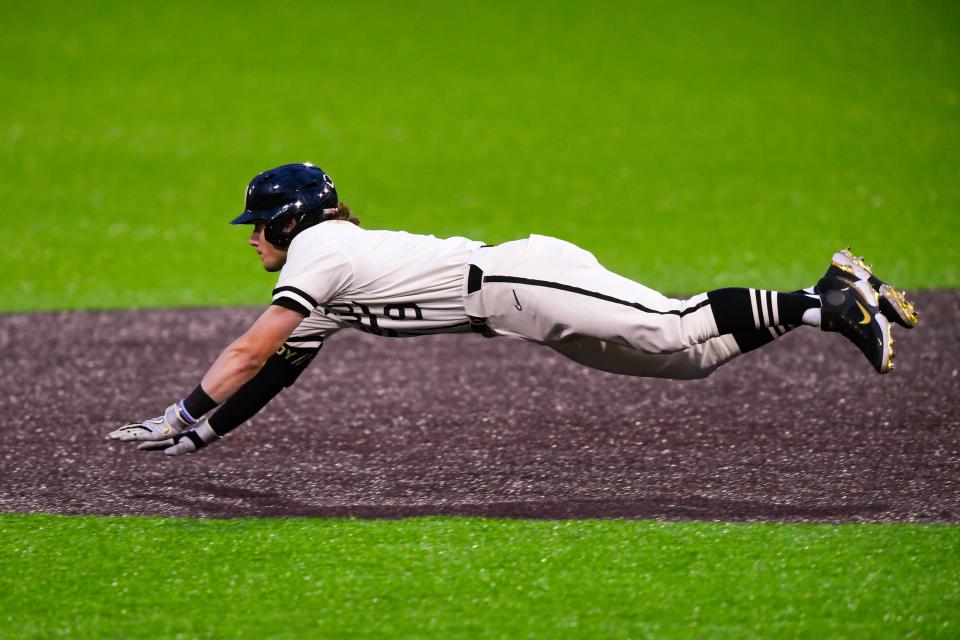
<point>802,430</point>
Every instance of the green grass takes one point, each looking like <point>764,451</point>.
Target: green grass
<point>453,577</point>
<point>689,145</point>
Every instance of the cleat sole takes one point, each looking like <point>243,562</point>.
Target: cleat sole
<point>886,364</point>
<point>854,265</point>
<point>894,303</point>
<point>857,260</point>
<point>904,309</point>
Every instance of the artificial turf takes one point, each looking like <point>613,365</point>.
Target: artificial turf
<point>689,145</point>
<point>461,577</point>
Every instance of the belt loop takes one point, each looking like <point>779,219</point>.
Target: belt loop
<point>474,278</point>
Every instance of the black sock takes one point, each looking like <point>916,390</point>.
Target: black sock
<point>745,310</point>
<point>750,340</point>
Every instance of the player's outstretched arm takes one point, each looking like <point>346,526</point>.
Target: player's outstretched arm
<point>241,361</point>
<point>281,370</point>
<point>237,365</point>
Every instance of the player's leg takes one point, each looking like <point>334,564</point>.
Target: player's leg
<point>548,290</point>
<point>849,307</point>
<point>698,361</point>
<point>758,313</point>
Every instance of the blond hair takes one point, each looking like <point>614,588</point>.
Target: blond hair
<point>344,213</point>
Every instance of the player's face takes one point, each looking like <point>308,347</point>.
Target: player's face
<point>272,258</point>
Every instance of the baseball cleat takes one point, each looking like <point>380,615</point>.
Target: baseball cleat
<point>893,303</point>
<point>852,308</point>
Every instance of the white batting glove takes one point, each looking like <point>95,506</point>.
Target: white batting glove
<point>161,428</point>
<point>186,442</point>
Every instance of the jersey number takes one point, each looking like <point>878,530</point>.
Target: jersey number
<point>360,317</point>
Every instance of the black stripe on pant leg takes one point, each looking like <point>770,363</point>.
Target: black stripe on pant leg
<point>594,294</point>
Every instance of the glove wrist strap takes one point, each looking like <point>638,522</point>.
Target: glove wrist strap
<point>200,436</point>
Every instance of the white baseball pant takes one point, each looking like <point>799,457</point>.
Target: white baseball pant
<point>552,292</point>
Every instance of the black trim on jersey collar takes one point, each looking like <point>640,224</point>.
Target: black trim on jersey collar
<point>592,294</point>
<point>293,305</point>
<point>300,292</point>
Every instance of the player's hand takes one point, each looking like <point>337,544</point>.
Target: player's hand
<point>161,428</point>
<point>186,442</point>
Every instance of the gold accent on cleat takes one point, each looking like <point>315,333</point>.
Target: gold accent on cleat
<point>890,365</point>
<point>896,305</point>
<point>852,264</point>
<point>857,260</point>
<point>897,298</point>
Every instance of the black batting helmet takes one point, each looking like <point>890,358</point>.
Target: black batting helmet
<point>300,192</point>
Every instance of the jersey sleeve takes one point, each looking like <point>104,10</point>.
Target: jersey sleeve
<point>312,276</point>
<point>313,330</point>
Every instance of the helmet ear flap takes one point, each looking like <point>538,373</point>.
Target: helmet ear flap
<point>279,232</point>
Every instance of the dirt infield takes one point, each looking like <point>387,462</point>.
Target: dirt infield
<point>802,431</point>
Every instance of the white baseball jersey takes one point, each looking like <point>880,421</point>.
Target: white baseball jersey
<point>398,284</point>
<point>389,283</point>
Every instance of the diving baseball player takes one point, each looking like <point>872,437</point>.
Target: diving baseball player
<point>334,275</point>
